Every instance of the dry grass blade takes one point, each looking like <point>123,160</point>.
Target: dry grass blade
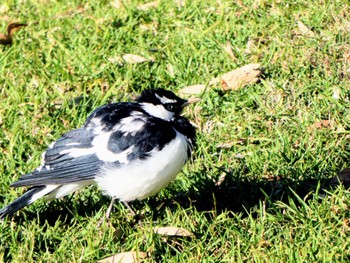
<point>173,231</point>
<point>240,77</point>
<point>148,5</point>
<point>304,30</point>
<point>125,257</point>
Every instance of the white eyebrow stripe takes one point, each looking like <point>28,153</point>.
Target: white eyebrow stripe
<point>165,100</point>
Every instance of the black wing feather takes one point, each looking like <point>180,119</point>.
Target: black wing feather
<point>61,168</point>
<point>79,169</point>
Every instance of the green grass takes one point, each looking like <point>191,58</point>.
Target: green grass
<point>275,203</point>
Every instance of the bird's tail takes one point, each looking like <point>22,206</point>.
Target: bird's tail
<point>27,198</point>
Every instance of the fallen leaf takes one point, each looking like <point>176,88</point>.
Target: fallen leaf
<point>180,3</point>
<point>336,93</point>
<point>249,47</point>
<point>194,89</point>
<point>130,59</point>
<point>322,124</point>
<point>116,4</point>
<point>124,257</point>
<point>229,51</point>
<point>304,30</point>
<point>4,9</point>
<point>239,78</point>
<point>148,5</point>
<point>172,231</point>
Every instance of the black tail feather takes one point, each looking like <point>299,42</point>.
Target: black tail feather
<point>20,202</point>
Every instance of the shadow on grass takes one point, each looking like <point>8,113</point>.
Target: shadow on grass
<point>240,194</point>
<point>235,193</point>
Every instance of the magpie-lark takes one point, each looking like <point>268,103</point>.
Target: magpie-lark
<point>131,150</point>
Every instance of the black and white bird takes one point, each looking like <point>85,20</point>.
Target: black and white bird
<point>130,150</point>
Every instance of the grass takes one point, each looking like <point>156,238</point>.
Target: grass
<point>274,204</point>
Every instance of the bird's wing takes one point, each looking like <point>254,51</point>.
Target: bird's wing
<point>69,159</point>
<point>108,136</point>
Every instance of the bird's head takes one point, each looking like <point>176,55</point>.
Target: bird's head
<point>162,103</point>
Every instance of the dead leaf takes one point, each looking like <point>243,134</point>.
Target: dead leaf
<point>322,124</point>
<point>194,89</point>
<point>239,78</point>
<point>124,257</point>
<point>130,59</point>
<point>4,9</point>
<point>304,30</point>
<point>249,47</point>
<point>148,5</point>
<point>180,3</point>
<point>6,39</point>
<point>117,4</point>
<point>229,51</point>
<point>336,93</point>
<point>172,231</point>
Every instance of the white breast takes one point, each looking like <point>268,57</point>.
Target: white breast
<point>142,178</point>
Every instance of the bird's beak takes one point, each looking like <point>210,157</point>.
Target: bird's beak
<point>191,101</point>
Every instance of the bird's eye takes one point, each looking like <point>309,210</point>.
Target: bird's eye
<point>170,107</point>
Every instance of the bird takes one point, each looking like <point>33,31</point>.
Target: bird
<point>130,150</point>
<point>6,39</point>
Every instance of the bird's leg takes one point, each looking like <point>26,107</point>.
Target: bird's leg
<point>130,209</point>
<point>109,209</point>
<point>108,212</point>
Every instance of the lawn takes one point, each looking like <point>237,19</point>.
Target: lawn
<point>261,186</point>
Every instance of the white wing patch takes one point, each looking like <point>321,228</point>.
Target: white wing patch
<point>130,125</point>
<point>94,122</point>
<point>100,148</point>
